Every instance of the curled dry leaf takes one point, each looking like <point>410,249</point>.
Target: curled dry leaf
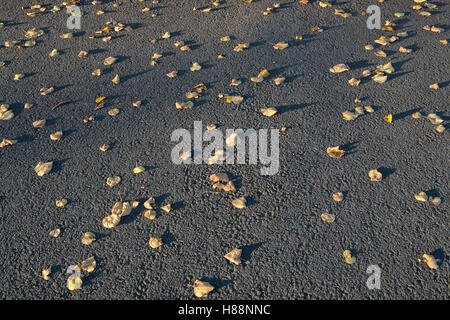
<point>88,238</point>
<point>280,46</point>
<point>338,196</point>
<point>39,124</point>
<point>430,261</point>
<point>269,112</point>
<point>195,67</point>
<point>434,86</point>
<point>202,288</point>
<point>434,118</point>
<point>339,68</point>
<point>234,99</point>
<point>89,264</point>
<point>66,36</point>
<point>328,217</point>
<point>116,79</point>
<point>279,81</point>
<point>137,104</point>
<point>150,214</point>
<point>97,73</point>
<point>46,273</point>
<point>111,221</point>
<point>104,147</point>
<point>348,257</point>
<point>56,136</point>
<point>109,61</point>
<point>239,203</point>
<point>388,118</point>
<point>150,203</point>
<point>421,196</point>
<point>121,209</point>
<point>7,142</point>
<point>440,128</point>
<point>375,175</point>
<point>379,78</point>
<point>55,233</point>
<point>241,46</point>
<point>138,169</point>
<point>234,256</point>
<point>167,208</point>
<point>354,82</point>
<point>112,181</point>
<point>155,243</point>
<point>335,152</point>
<point>42,168</point>
<point>61,203</point>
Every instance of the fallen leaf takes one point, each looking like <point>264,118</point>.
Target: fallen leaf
<point>388,118</point>
<point>116,79</point>
<point>109,61</point>
<point>375,175</point>
<point>239,203</point>
<point>111,221</point>
<point>202,288</point>
<point>335,152</point>
<point>55,233</point>
<point>434,86</point>
<point>88,265</point>
<point>196,67</point>
<point>280,46</point>
<point>46,273</point>
<point>155,243</point>
<point>338,196</point>
<point>279,81</point>
<point>327,217</point>
<point>430,261</point>
<point>61,203</point>
<point>56,135</point>
<point>42,168</point>
<point>138,169</point>
<point>234,256</point>
<point>421,196</point>
<point>167,208</point>
<point>269,112</point>
<point>339,68</point>
<point>39,124</point>
<point>112,181</point>
<point>88,238</point>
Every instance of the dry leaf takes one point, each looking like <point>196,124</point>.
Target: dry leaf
<point>269,112</point>
<point>61,203</point>
<point>234,256</point>
<point>388,118</point>
<point>116,79</point>
<point>167,208</point>
<point>339,68</point>
<point>202,288</point>
<point>111,221</point>
<point>138,170</point>
<point>375,175</point>
<point>354,82</point>
<point>7,142</point>
<point>113,112</point>
<point>196,67</point>
<point>348,115</point>
<point>335,152</point>
<point>109,61</point>
<point>56,136</point>
<point>172,74</point>
<point>88,265</point>
<point>155,243</point>
<point>280,46</point>
<point>42,168</point>
<point>421,196</point>
<point>66,36</point>
<point>46,273</point>
<point>430,261</point>
<point>279,81</point>
<point>150,203</point>
<point>380,53</point>
<point>348,257</point>
<point>404,50</point>
<point>338,196</point>
<point>112,181</point>
<point>434,86</point>
<point>379,78</point>
<point>88,238</point>
<point>39,124</point>
<point>440,128</point>
<point>239,203</point>
<point>150,214</point>
<point>54,233</point>
<point>327,217</point>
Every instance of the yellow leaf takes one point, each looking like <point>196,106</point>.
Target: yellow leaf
<point>388,118</point>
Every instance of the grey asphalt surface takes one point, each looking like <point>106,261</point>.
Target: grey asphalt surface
<point>288,251</point>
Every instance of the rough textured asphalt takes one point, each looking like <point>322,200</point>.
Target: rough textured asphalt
<point>289,252</point>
